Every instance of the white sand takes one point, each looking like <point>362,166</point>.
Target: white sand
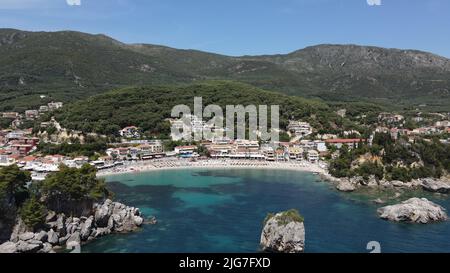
<point>177,164</point>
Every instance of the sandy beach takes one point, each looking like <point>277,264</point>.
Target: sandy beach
<point>173,164</point>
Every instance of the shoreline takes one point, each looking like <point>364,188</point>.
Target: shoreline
<point>342,184</point>
<point>180,164</point>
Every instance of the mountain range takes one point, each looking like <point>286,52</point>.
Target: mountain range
<point>70,66</point>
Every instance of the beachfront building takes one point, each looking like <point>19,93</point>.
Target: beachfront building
<point>313,156</point>
<point>185,150</point>
<point>351,143</point>
<point>295,153</point>
<point>151,150</point>
<point>221,149</point>
<point>268,152</point>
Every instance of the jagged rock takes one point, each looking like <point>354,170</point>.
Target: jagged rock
<point>64,239</point>
<point>434,185</point>
<point>46,248</point>
<point>385,184</point>
<point>286,236</point>
<point>103,213</point>
<point>35,242</point>
<point>51,217</point>
<point>102,232</point>
<point>346,186</point>
<point>111,221</point>
<point>138,221</point>
<point>378,201</point>
<point>26,236</point>
<point>52,237</point>
<point>86,228</point>
<point>105,219</point>
<point>398,184</point>
<point>74,238</point>
<point>372,182</point>
<point>41,236</point>
<point>25,247</point>
<point>414,210</point>
<point>60,225</point>
<point>19,228</point>
<point>8,247</point>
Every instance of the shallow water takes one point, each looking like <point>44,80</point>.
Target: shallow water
<point>223,211</point>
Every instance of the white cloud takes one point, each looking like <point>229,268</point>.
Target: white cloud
<point>73,2</point>
<point>374,2</point>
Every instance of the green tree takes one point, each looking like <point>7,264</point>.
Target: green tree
<point>74,184</point>
<point>13,184</point>
<point>33,213</point>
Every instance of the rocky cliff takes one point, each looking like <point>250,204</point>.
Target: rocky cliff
<point>64,230</point>
<point>283,232</point>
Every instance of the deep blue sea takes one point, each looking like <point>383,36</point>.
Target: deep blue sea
<point>223,211</point>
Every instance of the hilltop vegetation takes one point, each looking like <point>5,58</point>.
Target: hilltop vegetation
<point>69,66</point>
<point>393,160</point>
<point>148,107</point>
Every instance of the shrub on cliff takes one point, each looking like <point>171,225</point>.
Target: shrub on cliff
<point>74,184</point>
<point>33,213</point>
<point>286,217</point>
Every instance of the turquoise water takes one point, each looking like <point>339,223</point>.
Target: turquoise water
<point>223,210</point>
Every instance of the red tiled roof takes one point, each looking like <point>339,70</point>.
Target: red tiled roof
<point>29,158</point>
<point>342,140</point>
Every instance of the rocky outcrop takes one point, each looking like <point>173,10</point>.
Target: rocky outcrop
<point>346,186</point>
<point>108,217</point>
<point>414,210</point>
<point>435,185</point>
<point>283,234</point>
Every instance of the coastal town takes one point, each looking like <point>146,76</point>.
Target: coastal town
<point>132,151</point>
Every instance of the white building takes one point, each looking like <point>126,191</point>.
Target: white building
<point>5,160</point>
<point>299,128</point>
<point>313,156</point>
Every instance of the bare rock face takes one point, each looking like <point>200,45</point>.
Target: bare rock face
<point>434,185</point>
<point>8,247</point>
<point>414,210</point>
<point>283,233</point>
<point>346,186</point>
<point>106,218</point>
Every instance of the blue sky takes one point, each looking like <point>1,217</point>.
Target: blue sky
<point>244,27</point>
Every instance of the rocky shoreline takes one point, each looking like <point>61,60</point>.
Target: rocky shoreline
<point>355,183</point>
<point>68,232</point>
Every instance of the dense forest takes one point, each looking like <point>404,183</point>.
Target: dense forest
<point>149,107</point>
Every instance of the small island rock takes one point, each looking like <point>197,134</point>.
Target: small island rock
<point>283,233</point>
<point>414,210</point>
